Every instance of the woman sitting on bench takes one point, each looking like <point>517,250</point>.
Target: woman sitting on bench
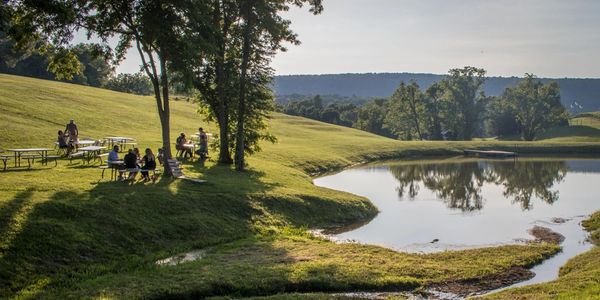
<point>149,162</point>
<point>63,143</point>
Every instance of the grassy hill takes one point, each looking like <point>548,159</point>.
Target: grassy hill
<point>65,233</point>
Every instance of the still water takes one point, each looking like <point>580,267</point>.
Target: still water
<point>460,203</point>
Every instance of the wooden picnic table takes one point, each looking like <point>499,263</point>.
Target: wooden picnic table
<point>114,166</point>
<point>118,140</point>
<point>43,152</point>
<point>90,151</point>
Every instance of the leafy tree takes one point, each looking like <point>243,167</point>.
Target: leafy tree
<point>536,106</point>
<point>262,34</point>
<point>434,107</point>
<point>371,116</point>
<point>500,118</point>
<point>407,112</point>
<point>465,100</point>
<point>137,83</point>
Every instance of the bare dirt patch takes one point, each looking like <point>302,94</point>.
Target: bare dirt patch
<point>476,286</point>
<point>544,234</point>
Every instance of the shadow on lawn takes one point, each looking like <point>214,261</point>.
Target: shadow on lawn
<point>115,229</point>
<point>73,236</point>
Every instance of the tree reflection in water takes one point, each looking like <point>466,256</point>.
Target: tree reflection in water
<point>459,184</point>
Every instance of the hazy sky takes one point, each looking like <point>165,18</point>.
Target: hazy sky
<point>550,38</point>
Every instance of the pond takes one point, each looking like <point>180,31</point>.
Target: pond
<point>460,203</point>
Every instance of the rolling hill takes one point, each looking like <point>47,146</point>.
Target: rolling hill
<point>66,233</point>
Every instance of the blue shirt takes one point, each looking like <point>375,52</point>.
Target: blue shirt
<point>113,155</point>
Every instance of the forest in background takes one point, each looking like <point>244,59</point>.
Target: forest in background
<point>577,95</point>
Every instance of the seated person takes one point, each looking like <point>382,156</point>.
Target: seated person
<point>113,155</point>
<point>161,156</point>
<point>130,161</point>
<point>183,145</point>
<point>63,143</point>
<point>149,162</point>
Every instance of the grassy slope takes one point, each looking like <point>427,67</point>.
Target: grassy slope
<point>579,277</point>
<point>65,233</point>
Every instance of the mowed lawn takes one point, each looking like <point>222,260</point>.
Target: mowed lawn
<point>65,233</point>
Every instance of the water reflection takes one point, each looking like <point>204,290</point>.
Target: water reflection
<point>459,184</point>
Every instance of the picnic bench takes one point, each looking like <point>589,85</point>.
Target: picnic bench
<point>30,154</point>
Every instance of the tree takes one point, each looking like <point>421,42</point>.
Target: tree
<point>263,32</point>
<point>406,114</point>
<point>155,27</point>
<point>433,106</point>
<point>137,83</point>
<point>370,117</point>
<point>464,99</point>
<point>536,106</point>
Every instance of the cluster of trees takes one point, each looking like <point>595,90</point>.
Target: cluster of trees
<point>454,108</point>
<point>219,48</point>
<point>31,61</point>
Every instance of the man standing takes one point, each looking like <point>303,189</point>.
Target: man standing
<point>73,132</point>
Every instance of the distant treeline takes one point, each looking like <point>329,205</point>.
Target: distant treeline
<point>454,108</point>
<point>578,95</point>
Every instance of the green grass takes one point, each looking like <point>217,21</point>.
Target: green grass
<point>579,278</point>
<point>64,233</point>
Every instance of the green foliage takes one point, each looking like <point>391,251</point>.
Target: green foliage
<point>407,112</point>
<point>535,106</point>
<point>137,83</point>
<point>465,101</point>
<point>371,117</point>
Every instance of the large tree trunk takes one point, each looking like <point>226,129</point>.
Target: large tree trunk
<point>165,116</point>
<point>241,115</point>
<point>223,109</point>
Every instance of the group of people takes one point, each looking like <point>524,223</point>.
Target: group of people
<point>69,138</point>
<point>186,146</point>
<point>134,160</point>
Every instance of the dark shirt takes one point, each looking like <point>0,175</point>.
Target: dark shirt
<point>130,160</point>
<point>149,164</point>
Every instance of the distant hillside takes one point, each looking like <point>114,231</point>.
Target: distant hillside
<point>578,95</point>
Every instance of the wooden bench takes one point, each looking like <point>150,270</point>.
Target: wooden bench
<point>51,157</point>
<point>4,159</point>
<point>31,158</point>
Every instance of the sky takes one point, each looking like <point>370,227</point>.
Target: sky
<point>549,38</point>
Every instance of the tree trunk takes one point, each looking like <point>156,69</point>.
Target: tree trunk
<point>223,109</point>
<point>162,101</point>
<point>165,116</point>
<point>241,115</point>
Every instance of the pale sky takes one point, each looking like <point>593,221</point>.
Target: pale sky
<point>549,38</point>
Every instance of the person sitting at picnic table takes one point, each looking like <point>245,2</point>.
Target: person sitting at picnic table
<point>114,156</point>
<point>72,132</point>
<point>203,150</point>
<point>183,145</point>
<point>149,163</point>
<point>161,155</point>
<point>62,142</point>
<point>130,161</point>
<point>137,154</point>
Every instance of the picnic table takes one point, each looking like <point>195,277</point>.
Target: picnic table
<point>118,140</point>
<point>41,153</point>
<point>91,152</point>
<point>114,166</point>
